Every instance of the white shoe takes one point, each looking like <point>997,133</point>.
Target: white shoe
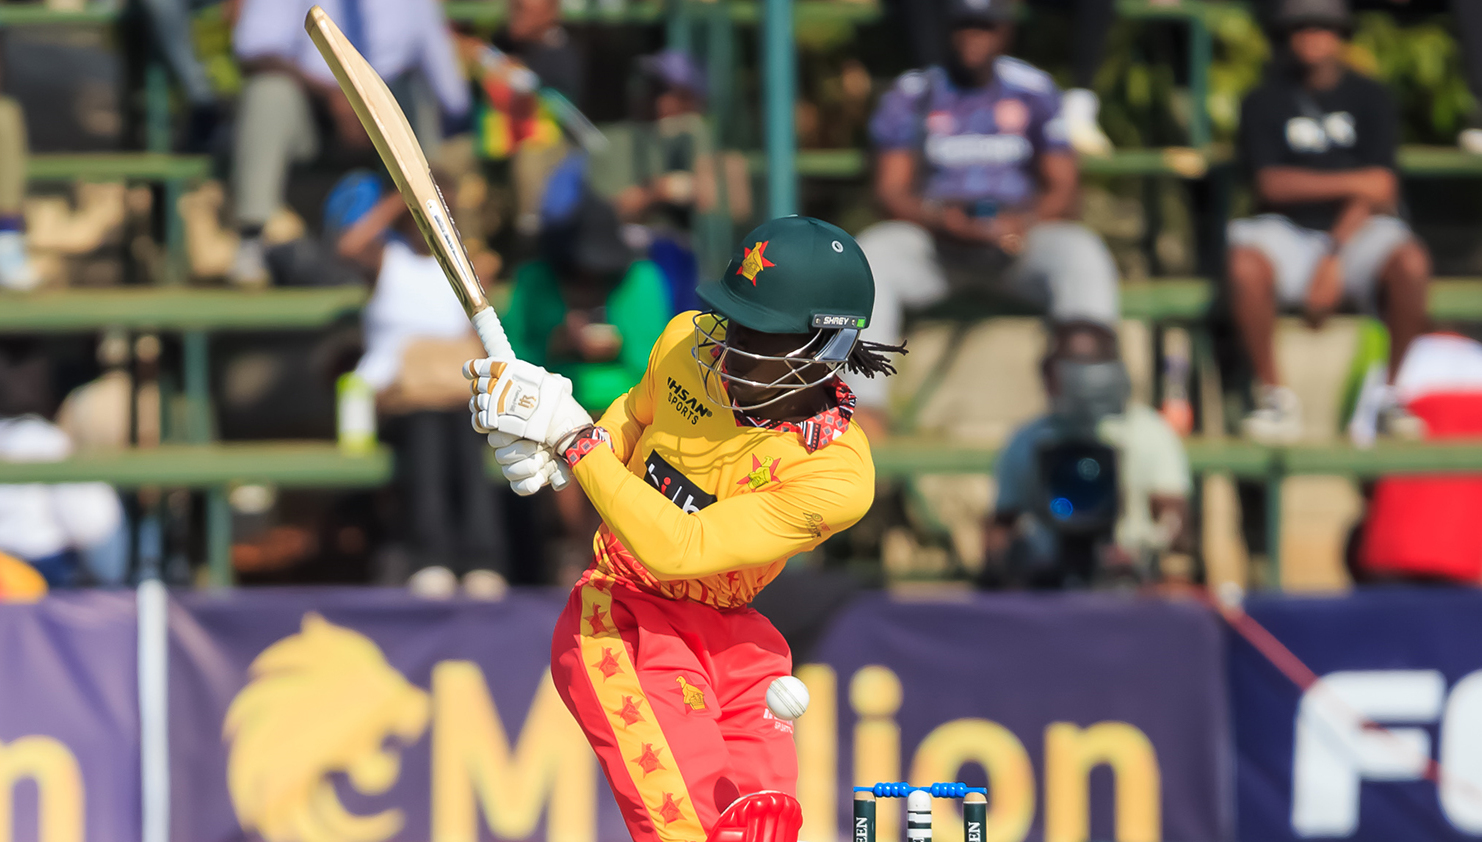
<point>1380,412</point>
<point>1398,422</point>
<point>1277,418</point>
<point>1079,109</point>
<point>1470,140</point>
<point>250,267</point>
<point>485,584</point>
<point>16,271</point>
<point>435,582</point>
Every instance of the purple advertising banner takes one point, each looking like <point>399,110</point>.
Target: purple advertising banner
<point>1088,716</point>
<point>366,715</point>
<point>363,716</point>
<point>1311,761</point>
<point>69,719</point>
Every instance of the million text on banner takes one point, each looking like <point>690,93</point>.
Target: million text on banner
<point>1088,717</point>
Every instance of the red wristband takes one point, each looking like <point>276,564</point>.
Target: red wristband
<point>585,441</point>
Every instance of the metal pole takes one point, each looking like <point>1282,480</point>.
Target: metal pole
<point>779,89</point>
<point>197,387</point>
<point>713,245</point>
<point>677,30</point>
<point>157,131</point>
<point>219,538</point>
<point>1277,473</point>
<point>154,720</point>
<point>1201,54</point>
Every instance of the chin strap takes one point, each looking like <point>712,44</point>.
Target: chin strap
<point>765,816</point>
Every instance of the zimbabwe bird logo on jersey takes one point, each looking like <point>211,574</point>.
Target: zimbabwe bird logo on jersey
<point>693,696</point>
<point>763,471</point>
<point>754,261</point>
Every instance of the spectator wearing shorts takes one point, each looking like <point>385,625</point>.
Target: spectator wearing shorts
<point>981,185</point>
<point>1319,141</point>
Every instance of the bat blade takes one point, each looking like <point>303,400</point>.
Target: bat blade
<point>392,136</point>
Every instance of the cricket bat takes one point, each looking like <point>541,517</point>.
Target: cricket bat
<point>392,135</point>
<point>402,154</point>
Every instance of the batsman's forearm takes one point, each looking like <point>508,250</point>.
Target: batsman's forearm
<point>672,543</point>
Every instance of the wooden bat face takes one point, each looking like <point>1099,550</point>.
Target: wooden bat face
<point>402,154</point>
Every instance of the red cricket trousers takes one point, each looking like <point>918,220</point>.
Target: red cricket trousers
<point>672,696</point>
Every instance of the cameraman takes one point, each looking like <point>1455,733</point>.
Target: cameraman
<point>1139,512</point>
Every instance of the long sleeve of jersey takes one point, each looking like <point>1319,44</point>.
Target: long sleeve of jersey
<point>629,415</point>
<point>743,531</point>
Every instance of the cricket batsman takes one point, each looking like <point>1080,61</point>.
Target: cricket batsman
<point>733,453</point>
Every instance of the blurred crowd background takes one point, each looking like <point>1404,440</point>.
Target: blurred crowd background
<point>1131,243</point>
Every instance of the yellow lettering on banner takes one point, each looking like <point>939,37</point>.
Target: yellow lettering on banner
<point>1071,753</point>
<point>817,737</point>
<point>550,764</point>
<point>58,780</point>
<point>1010,777</point>
<point>875,695</point>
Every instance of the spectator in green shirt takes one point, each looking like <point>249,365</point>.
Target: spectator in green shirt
<point>585,308</point>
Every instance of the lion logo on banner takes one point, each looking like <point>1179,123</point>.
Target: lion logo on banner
<point>318,702</point>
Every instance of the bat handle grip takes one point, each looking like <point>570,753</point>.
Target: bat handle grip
<point>491,334</point>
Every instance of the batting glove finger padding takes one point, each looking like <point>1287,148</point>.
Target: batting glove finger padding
<point>523,400</point>
<point>527,466</point>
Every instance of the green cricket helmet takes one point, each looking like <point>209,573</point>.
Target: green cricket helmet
<point>793,275</point>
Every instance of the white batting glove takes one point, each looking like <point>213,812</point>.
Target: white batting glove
<point>523,400</point>
<point>528,466</point>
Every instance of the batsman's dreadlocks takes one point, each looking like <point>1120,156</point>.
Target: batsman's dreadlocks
<point>868,358</point>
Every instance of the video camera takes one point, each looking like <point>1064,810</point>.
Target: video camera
<point>1078,488</point>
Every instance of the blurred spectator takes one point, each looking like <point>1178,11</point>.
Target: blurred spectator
<point>587,310</point>
<point>1425,528</point>
<point>976,171</point>
<point>19,581</point>
<point>1127,469</point>
<point>1319,141</point>
<point>291,106</point>
<point>416,340</point>
<point>676,169</point>
<point>62,530</point>
<point>535,36</point>
<point>1466,24</point>
<point>170,20</point>
<point>926,27</point>
<point>16,271</point>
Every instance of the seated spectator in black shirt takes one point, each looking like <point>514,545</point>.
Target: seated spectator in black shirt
<point>1320,144</point>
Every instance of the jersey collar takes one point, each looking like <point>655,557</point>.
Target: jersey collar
<point>815,432</point>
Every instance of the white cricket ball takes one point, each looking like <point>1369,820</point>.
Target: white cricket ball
<point>787,698</point>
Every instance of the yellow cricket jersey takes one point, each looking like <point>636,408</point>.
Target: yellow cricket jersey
<point>698,504</point>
